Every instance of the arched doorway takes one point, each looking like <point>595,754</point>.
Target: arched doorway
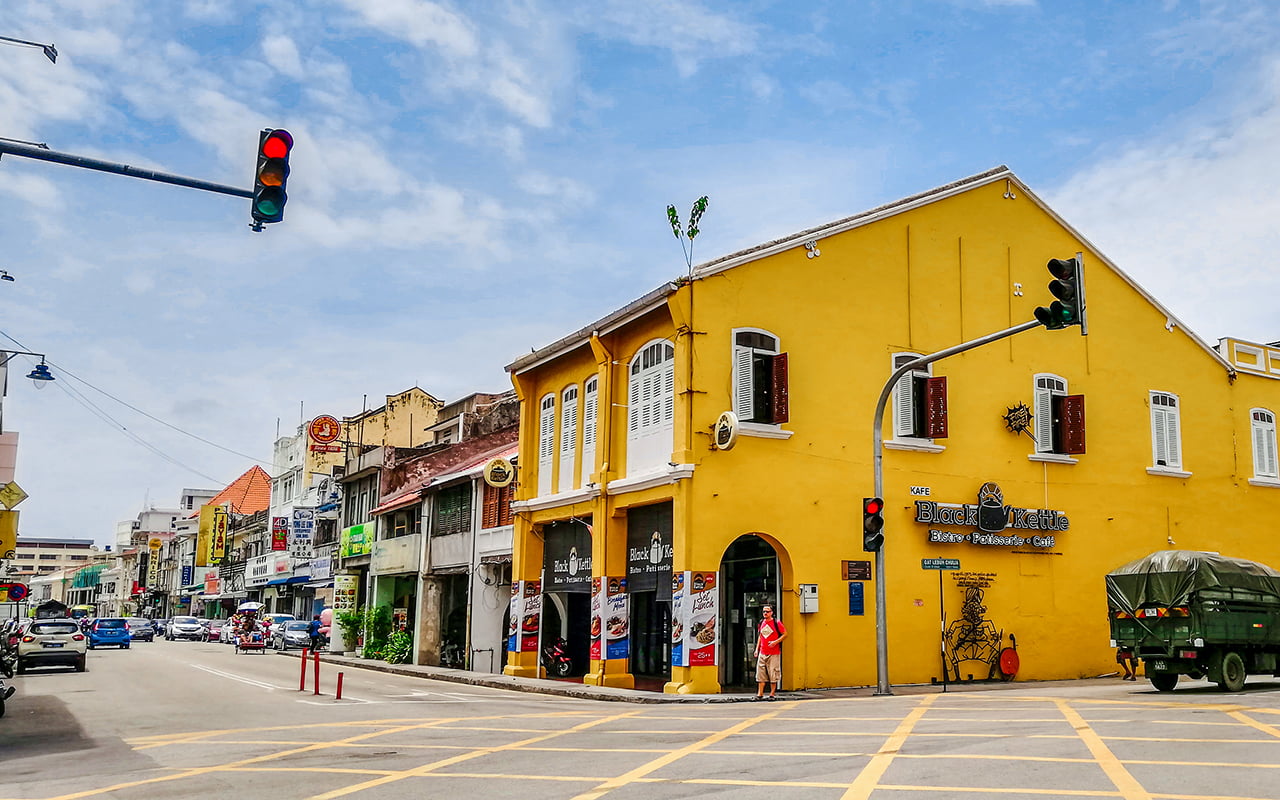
<point>751,578</point>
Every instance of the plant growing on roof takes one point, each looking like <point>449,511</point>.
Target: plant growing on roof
<point>688,232</point>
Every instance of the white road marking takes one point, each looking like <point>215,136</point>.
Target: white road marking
<point>241,678</point>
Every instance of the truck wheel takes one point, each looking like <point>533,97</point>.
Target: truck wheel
<point>1233,673</point>
<point>1163,681</point>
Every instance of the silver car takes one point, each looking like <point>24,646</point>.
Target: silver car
<point>292,633</point>
<point>184,628</point>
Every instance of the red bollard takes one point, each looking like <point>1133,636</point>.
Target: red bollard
<point>339,696</point>
<point>317,655</point>
<point>302,679</point>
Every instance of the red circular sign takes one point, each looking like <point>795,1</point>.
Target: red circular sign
<point>325,429</point>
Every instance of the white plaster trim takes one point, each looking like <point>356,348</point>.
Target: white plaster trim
<point>763,430</point>
<point>1053,458</point>
<point>552,500</point>
<point>1269,482</point>
<point>647,480</point>
<point>914,445</point>
<point>1167,472</point>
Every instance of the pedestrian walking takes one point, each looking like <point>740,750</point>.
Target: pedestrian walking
<point>1126,661</point>
<point>314,630</point>
<point>769,638</point>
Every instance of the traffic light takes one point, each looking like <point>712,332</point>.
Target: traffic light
<point>1068,286</point>
<point>273,172</point>
<point>872,524</point>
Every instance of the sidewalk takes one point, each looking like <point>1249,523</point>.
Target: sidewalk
<point>587,692</point>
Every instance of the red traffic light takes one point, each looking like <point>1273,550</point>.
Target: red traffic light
<point>872,505</point>
<point>277,144</point>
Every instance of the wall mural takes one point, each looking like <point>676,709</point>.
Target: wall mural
<point>973,642</point>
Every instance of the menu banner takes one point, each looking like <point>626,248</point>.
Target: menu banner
<point>597,618</point>
<point>344,592</point>
<point>616,614</point>
<point>699,620</point>
<point>526,616</point>
<point>678,621</point>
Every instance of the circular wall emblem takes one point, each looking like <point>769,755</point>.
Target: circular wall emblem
<point>725,434</point>
<point>499,472</point>
<point>324,429</point>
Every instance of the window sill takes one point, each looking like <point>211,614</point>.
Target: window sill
<point>647,480</point>
<point>914,445</point>
<point>1268,482</point>
<point>552,500</point>
<point>763,430</point>
<point>1168,472</point>
<point>1053,458</point>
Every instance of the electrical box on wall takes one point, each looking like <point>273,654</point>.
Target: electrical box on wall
<point>808,598</point>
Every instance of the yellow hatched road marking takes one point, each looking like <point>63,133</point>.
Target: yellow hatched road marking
<point>1270,730</point>
<point>674,755</point>
<point>869,777</point>
<point>1129,787</point>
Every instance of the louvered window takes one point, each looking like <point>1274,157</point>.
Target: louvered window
<point>1057,417</point>
<point>759,378</point>
<point>568,436</point>
<point>1166,433</point>
<point>452,510</point>
<point>919,402</point>
<point>1263,425</point>
<point>546,442</point>
<point>651,407</point>
<point>590,394</point>
<point>496,510</point>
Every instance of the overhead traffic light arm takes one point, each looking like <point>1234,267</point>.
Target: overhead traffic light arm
<point>72,160</point>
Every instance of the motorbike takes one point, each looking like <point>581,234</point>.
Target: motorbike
<point>556,658</point>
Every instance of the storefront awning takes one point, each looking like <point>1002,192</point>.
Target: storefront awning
<point>320,584</point>
<point>209,596</point>
<point>397,502</point>
<point>289,580</point>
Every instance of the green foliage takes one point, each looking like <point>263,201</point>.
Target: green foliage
<point>377,630</point>
<point>398,648</point>
<point>351,623</point>
<point>689,231</point>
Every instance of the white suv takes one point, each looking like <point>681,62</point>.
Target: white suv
<point>52,641</point>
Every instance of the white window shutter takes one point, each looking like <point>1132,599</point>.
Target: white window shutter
<point>1043,414</point>
<point>669,393</point>
<point>546,446</point>
<point>1159,437</point>
<point>903,407</point>
<point>743,384</point>
<point>589,432</point>
<point>568,437</point>
<point>633,410</point>
<point>1172,425</point>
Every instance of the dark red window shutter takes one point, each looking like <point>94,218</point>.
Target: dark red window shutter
<point>1072,421</point>
<point>489,513</point>
<point>781,407</point>
<point>935,408</point>
<point>505,496</point>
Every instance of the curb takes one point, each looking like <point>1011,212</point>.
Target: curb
<point>577,691</point>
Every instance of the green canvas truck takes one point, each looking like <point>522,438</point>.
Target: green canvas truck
<point>1185,612</point>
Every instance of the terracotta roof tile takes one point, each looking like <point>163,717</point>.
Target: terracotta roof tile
<point>248,494</point>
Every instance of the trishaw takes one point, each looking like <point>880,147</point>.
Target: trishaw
<point>248,633</point>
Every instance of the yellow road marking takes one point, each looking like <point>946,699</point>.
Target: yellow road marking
<point>1270,730</point>
<point>865,783</point>
<point>674,755</point>
<point>428,768</point>
<point>1129,787</point>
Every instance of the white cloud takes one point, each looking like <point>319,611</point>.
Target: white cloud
<point>282,53</point>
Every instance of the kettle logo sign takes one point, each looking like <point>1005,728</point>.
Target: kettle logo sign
<point>990,517</point>
<point>573,561</point>
<point>993,514</point>
<point>655,549</point>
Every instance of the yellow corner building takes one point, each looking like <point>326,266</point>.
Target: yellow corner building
<point>652,526</point>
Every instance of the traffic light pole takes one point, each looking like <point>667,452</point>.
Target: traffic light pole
<point>877,461</point>
<point>72,160</point>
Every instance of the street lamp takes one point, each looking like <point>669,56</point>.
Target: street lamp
<point>39,375</point>
<point>50,52</point>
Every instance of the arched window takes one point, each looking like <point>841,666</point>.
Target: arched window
<point>546,442</point>
<point>651,397</point>
<point>1263,430</point>
<point>759,377</point>
<point>1166,431</point>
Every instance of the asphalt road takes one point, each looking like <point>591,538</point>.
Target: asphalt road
<point>181,719</point>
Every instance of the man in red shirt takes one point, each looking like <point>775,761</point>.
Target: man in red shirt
<point>769,653</point>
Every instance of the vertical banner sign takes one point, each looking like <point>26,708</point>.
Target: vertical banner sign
<point>679,621</point>
<point>204,537</point>
<point>617,619</point>
<point>597,618</point>
<point>530,616</point>
<point>279,533</point>
<point>153,564</point>
<point>513,624</point>
<point>8,534</point>
<point>303,525</point>
<point>188,574</point>
<point>344,594</point>
<point>218,542</point>
<point>702,637</point>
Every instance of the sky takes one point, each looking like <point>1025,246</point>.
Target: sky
<point>474,180</point>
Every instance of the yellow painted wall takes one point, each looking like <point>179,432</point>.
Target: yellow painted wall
<point>923,280</point>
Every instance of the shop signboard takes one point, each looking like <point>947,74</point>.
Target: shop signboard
<point>153,562</point>
<point>344,592</point>
<point>204,537</point>
<point>357,540</point>
<point>188,572</point>
<point>991,523</point>
<point>302,526</point>
<point>526,616</point>
<point>279,533</point>
<point>702,633</point>
<point>395,556</point>
<point>321,568</point>
<point>617,619</point>
<point>567,557</point>
<point>218,544</point>
<point>678,621</point>
<point>649,550</point>
<point>258,570</point>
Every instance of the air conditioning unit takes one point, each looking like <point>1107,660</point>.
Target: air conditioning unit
<point>339,472</point>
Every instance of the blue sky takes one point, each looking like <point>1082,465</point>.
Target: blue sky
<point>474,180</point>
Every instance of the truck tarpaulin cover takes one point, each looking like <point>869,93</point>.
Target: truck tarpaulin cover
<point>1169,577</point>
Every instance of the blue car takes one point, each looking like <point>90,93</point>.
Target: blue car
<point>109,630</point>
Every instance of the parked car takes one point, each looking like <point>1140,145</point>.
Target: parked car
<point>109,631</point>
<point>184,628</point>
<point>140,629</point>
<point>213,630</point>
<point>47,642</point>
<point>290,633</point>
